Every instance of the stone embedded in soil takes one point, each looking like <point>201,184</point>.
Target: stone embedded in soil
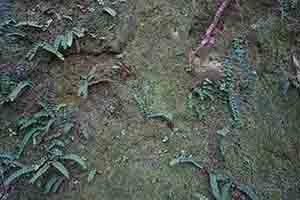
<point>165,139</point>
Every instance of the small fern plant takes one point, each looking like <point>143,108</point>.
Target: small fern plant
<point>55,159</point>
<point>10,89</point>
<point>221,185</point>
<point>37,127</point>
<point>227,88</point>
<point>232,98</point>
<point>49,130</point>
<point>62,42</point>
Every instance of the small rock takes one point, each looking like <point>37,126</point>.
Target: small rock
<point>163,151</point>
<point>155,180</point>
<point>120,56</point>
<point>165,139</point>
<point>176,129</point>
<point>84,158</point>
<point>91,9</point>
<point>123,132</point>
<point>115,67</point>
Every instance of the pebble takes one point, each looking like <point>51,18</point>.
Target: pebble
<point>155,180</point>
<point>165,139</point>
<point>163,151</point>
<point>123,132</point>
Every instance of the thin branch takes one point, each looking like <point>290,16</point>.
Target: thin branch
<point>211,29</point>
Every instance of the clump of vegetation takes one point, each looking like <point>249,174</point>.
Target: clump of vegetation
<point>226,89</point>
<point>85,82</point>
<point>222,186</point>
<point>144,106</point>
<point>62,42</point>
<point>11,88</point>
<point>46,132</point>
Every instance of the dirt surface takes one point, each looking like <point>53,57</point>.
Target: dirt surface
<point>132,153</point>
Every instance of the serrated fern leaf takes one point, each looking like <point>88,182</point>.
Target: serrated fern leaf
<point>78,32</point>
<point>14,163</point>
<point>25,124</point>
<point>140,101</point>
<point>45,130</point>
<point>83,87</point>
<point>39,173</point>
<point>17,174</point>
<point>33,24</point>
<point>249,191</point>
<point>42,162</point>
<point>235,109</point>
<point>214,186</point>
<point>69,38</point>
<point>55,143</point>
<point>184,158</point>
<point>226,192</point>
<point>58,41</point>
<point>284,7</point>
<point>228,74</point>
<point>55,152</point>
<point>68,127</point>
<point>91,74</point>
<point>57,185</point>
<point>60,167</point>
<point>92,175</point>
<point>50,184</point>
<point>41,114</point>
<point>30,55</point>
<point>17,91</point>
<point>52,50</point>
<point>75,158</point>
<point>25,140</point>
<point>7,157</point>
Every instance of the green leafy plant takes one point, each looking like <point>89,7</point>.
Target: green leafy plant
<point>10,89</point>
<point>56,161</point>
<point>50,184</point>
<point>86,81</point>
<point>183,157</point>
<point>38,170</point>
<point>222,186</point>
<point>37,126</point>
<point>226,89</point>
<point>52,168</point>
<point>92,175</point>
<point>285,7</point>
<point>141,103</point>
<point>62,42</point>
<point>17,174</point>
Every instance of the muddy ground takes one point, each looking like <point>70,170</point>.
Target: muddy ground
<point>130,152</point>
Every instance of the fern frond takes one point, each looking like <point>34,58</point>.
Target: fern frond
<point>75,158</point>
<point>60,167</point>
<point>50,183</point>
<point>39,173</point>
<point>17,174</point>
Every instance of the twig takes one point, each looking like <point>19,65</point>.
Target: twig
<point>211,29</point>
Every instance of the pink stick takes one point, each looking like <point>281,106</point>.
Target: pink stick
<point>211,29</point>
